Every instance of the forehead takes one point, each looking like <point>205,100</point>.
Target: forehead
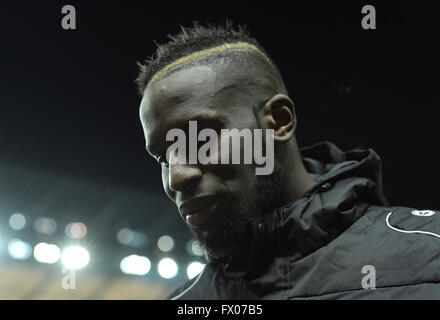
<point>179,86</point>
<point>179,94</point>
<point>194,92</point>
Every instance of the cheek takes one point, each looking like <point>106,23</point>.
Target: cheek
<point>242,181</point>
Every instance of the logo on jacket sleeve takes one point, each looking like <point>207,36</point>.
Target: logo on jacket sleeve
<point>423,213</point>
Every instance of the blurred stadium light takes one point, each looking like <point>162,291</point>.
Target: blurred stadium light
<point>89,222</point>
<point>17,221</point>
<point>46,253</point>
<point>194,268</point>
<point>165,243</point>
<point>19,249</point>
<point>75,257</point>
<point>136,265</point>
<point>167,268</point>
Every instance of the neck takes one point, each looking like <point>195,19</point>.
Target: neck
<point>296,180</point>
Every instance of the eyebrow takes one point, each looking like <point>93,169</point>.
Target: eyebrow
<point>202,117</point>
<point>205,119</point>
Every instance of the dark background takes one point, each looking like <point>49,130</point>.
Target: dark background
<point>69,106</point>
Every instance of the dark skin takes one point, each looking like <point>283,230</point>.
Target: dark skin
<point>224,196</point>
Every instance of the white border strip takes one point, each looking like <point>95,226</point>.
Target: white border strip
<point>190,287</point>
<point>413,231</point>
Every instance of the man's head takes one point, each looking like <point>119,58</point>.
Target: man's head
<point>234,86</point>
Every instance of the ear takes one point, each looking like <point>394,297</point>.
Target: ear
<point>279,114</point>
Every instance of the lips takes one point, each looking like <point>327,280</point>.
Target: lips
<point>197,211</point>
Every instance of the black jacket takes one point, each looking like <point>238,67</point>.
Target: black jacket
<point>339,241</point>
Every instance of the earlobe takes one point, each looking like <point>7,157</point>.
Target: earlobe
<point>279,114</point>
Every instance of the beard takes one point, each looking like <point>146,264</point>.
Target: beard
<point>261,199</point>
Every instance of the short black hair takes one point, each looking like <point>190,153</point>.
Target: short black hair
<point>193,39</point>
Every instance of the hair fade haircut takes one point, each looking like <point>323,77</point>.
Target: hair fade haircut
<point>190,40</point>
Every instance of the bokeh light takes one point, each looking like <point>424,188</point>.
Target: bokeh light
<point>165,243</point>
<point>45,225</point>
<point>134,264</point>
<point>46,253</point>
<point>19,249</point>
<point>167,268</point>
<point>17,221</point>
<point>194,268</point>
<point>75,257</point>
<point>125,236</point>
<point>76,230</point>
<point>196,249</point>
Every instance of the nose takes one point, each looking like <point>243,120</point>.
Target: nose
<point>181,176</point>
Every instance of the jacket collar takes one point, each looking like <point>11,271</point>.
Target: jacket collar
<point>346,184</point>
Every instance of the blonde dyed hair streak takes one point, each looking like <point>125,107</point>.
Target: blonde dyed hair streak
<point>205,52</point>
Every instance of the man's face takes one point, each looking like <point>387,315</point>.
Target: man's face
<point>214,200</point>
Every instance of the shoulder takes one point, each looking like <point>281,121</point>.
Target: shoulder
<point>391,239</point>
<point>400,244</point>
<point>404,238</point>
<point>408,221</point>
